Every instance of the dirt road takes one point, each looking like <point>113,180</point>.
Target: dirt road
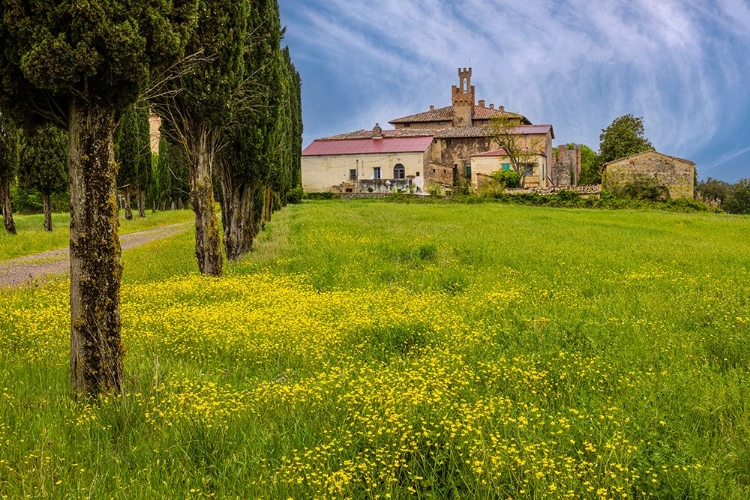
<point>15,272</point>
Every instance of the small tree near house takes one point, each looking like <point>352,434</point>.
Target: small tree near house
<point>522,150</point>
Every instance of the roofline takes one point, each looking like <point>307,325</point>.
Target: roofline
<point>651,151</point>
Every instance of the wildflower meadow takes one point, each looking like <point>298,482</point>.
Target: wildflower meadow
<point>373,350</point>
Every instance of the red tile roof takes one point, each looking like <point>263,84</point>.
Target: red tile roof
<point>446,115</point>
<point>442,133</point>
<point>368,146</point>
<point>434,115</point>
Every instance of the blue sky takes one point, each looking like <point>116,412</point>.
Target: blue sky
<point>684,66</point>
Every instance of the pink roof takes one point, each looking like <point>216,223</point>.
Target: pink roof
<point>368,146</point>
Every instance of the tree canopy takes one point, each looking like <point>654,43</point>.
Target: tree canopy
<point>624,137</point>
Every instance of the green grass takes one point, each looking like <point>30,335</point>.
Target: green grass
<point>31,237</point>
<point>368,349</point>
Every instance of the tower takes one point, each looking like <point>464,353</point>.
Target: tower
<point>463,99</point>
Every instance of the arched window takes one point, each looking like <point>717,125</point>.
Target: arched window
<point>399,172</point>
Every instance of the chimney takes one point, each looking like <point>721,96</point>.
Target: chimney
<point>492,106</point>
<point>377,132</point>
<point>432,107</point>
<point>481,103</point>
<point>502,109</point>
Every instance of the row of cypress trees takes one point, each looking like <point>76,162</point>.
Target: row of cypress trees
<point>228,95</point>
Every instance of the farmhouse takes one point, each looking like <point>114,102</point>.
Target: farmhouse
<point>437,147</point>
<point>676,174</point>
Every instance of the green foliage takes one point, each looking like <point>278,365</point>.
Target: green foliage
<point>590,166</point>
<point>507,178</point>
<point>29,201</point>
<point>641,187</point>
<point>713,190</point>
<point>623,137</point>
<point>295,195</point>
<point>738,200</point>
<point>262,164</point>
<point>103,52</point>
<point>133,148</point>
<point>170,184</point>
<point>43,161</point>
<point>9,137</point>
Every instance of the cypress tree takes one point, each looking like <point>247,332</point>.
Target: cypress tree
<point>8,166</point>
<point>133,155</point>
<point>43,164</point>
<point>258,168</point>
<point>81,64</point>
<point>200,108</point>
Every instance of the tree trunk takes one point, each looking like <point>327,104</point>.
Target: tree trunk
<point>237,215</point>
<point>96,349</point>
<point>141,202</point>
<point>128,210</point>
<point>207,241</point>
<point>47,212</point>
<point>10,224</point>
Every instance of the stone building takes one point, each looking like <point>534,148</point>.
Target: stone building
<point>676,174</point>
<point>566,169</point>
<point>456,134</point>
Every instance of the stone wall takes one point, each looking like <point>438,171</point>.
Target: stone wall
<point>566,168</point>
<point>676,174</point>
<point>388,186</point>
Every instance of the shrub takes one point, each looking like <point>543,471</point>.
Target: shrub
<point>295,196</point>
<point>641,187</point>
<point>508,178</point>
<point>738,200</point>
<point>328,195</point>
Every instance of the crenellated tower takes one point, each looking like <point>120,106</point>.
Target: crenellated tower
<point>463,99</point>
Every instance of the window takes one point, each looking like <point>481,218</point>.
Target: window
<point>399,172</point>
<point>506,166</point>
<point>485,122</point>
<point>376,173</point>
<point>418,173</point>
<point>352,174</point>
<point>467,171</point>
<point>528,169</point>
<point>407,125</point>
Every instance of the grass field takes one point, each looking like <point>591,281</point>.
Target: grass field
<point>379,350</point>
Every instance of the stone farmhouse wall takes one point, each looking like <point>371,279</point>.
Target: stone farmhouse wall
<point>676,174</point>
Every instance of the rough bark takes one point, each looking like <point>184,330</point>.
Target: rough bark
<point>47,212</point>
<point>10,224</point>
<point>237,213</point>
<point>96,349</point>
<point>128,209</point>
<point>141,202</point>
<point>207,241</point>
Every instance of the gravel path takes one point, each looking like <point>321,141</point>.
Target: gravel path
<point>15,272</point>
